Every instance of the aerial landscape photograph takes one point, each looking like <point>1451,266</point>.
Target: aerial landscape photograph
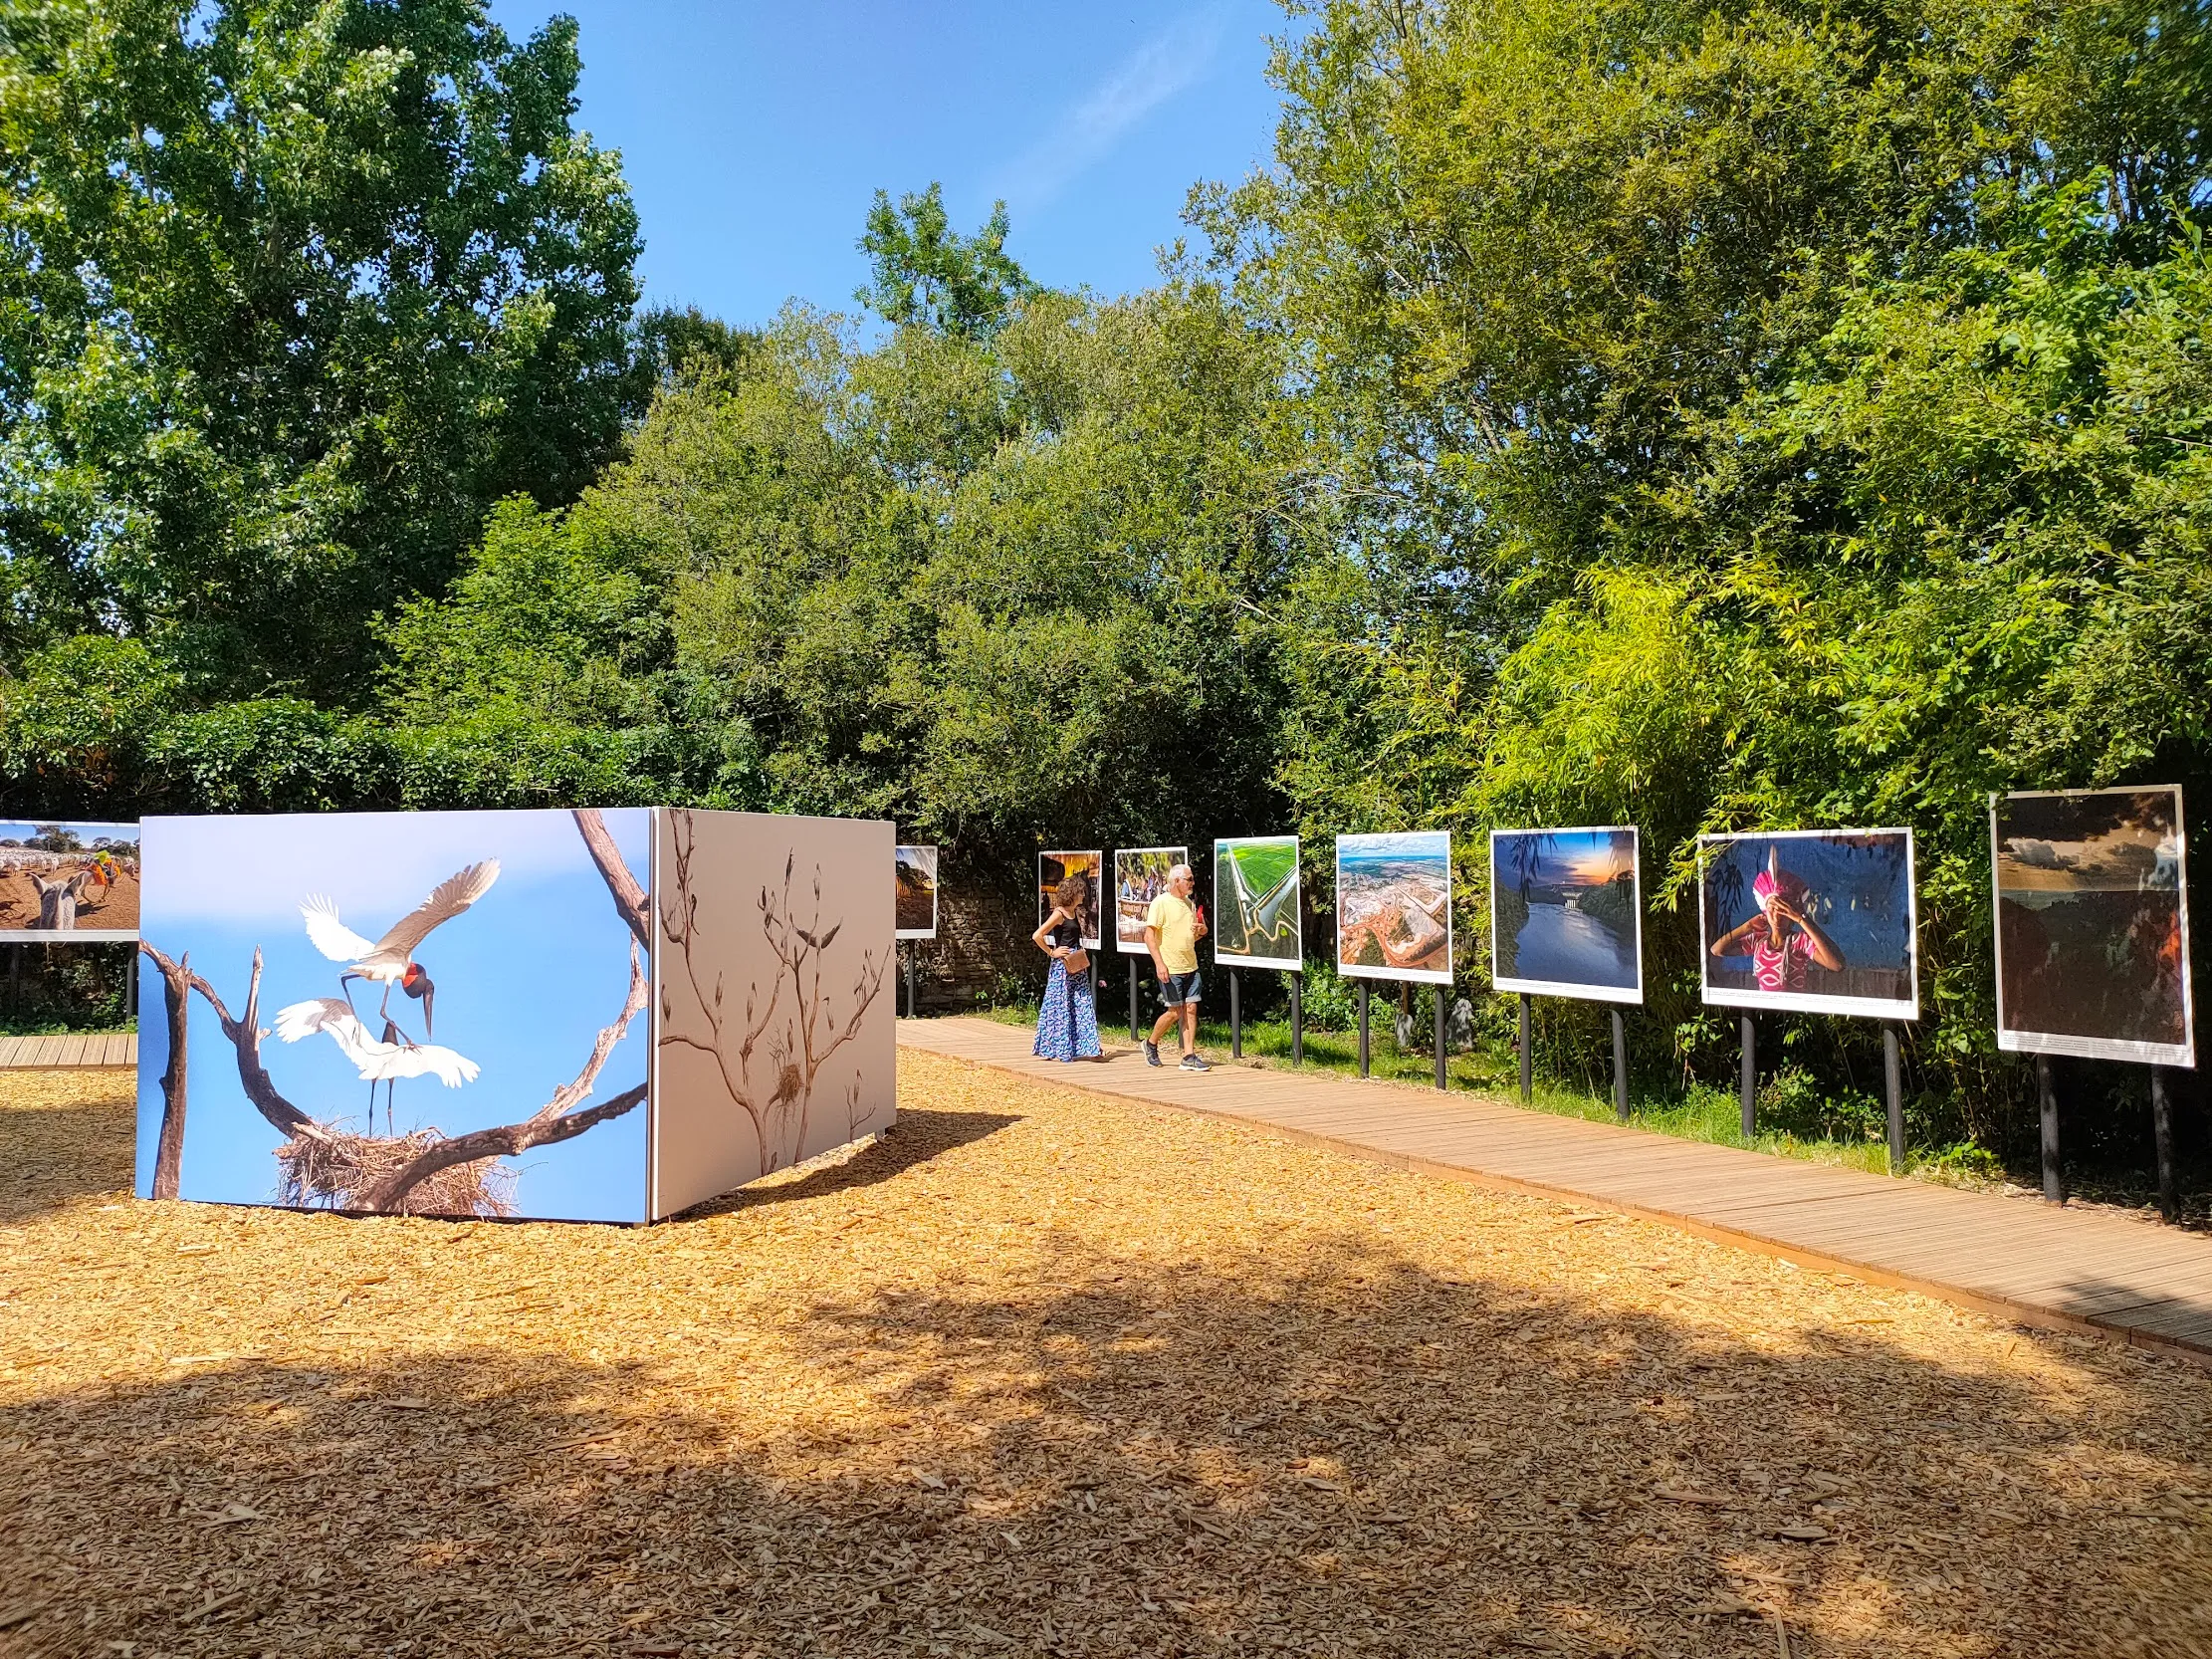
<point>1394,906</point>
<point>1258,902</point>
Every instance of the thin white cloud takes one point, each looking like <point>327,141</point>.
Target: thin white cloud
<point>1177,58</point>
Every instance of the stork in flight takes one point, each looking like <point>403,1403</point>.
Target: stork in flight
<point>390,959</point>
<point>379,1063</point>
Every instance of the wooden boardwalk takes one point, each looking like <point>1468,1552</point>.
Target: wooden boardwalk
<point>71,1049</point>
<point>2019,1258</point>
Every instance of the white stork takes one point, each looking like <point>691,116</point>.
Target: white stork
<point>378,1063</point>
<point>390,959</point>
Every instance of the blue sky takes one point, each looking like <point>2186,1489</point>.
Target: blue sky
<point>526,978</point>
<point>753,135</point>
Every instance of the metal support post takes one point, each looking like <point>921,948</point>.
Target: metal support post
<point>1750,1086</point>
<point>911,989</point>
<point>2162,1129</point>
<point>1134,1031</point>
<point>1297,1019</point>
<point>1620,1066</point>
<point>1441,1083</point>
<point>1893,1082</point>
<point>1235,1018</point>
<point>1528,1057</point>
<point>1363,1028</point>
<point>2047,1097</point>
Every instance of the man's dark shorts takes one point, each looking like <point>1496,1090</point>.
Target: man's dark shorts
<point>1178,989</point>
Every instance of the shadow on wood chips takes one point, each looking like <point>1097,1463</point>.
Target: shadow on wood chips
<point>1080,1380</point>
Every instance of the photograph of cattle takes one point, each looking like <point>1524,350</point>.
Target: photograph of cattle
<point>68,881</point>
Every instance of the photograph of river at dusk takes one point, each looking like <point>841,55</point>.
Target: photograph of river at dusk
<point>1565,914</point>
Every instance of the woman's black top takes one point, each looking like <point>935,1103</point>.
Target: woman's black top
<point>1068,935</point>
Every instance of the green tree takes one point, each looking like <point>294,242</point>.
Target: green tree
<point>1763,413</point>
<point>984,587</point>
<point>290,291</point>
<point>924,273</point>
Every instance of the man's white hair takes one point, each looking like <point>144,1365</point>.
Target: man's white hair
<point>1176,871</point>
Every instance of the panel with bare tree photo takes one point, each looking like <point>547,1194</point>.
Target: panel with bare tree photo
<point>773,1013</point>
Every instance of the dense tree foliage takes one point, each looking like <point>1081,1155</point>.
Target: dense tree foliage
<point>290,293</point>
<point>1757,414</point>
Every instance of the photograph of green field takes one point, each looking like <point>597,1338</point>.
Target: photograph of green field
<point>1259,901</point>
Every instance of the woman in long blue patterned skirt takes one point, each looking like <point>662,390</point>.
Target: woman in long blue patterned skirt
<point>1068,1024</point>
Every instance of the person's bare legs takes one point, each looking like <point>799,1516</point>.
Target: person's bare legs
<point>1190,1012</point>
<point>1161,1024</point>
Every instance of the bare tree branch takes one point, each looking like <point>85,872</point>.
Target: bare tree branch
<point>809,1035</point>
<point>630,897</point>
<point>176,991</point>
<point>554,1121</point>
<point>245,1035</point>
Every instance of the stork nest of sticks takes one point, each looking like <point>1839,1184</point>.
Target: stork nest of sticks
<point>334,1169</point>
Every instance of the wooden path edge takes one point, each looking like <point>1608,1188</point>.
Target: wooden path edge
<point>1763,1244</point>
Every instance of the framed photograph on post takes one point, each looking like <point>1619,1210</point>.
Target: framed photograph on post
<point>916,914</point>
<point>1056,867</point>
<point>2092,925</point>
<point>1140,876</point>
<point>61,882</point>
<point>1819,921</point>
<point>1394,906</point>
<point>1567,914</point>
<point>1258,902</point>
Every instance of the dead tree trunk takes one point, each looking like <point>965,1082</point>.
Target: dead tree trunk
<point>177,989</point>
<point>622,886</point>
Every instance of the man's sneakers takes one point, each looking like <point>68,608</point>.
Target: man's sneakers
<point>1190,1063</point>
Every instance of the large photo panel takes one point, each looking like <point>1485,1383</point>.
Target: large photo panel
<point>1089,867</point>
<point>772,996</point>
<point>63,880</point>
<point>1820,921</point>
<point>398,988</point>
<point>2092,925</point>
<point>1259,903</point>
<point>1140,876</point>
<point>1567,914</point>
<point>915,900</point>
<point>1394,906</point>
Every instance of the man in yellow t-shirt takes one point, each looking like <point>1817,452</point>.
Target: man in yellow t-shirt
<point>1173,929</point>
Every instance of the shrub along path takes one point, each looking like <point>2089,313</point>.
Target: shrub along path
<point>2022,1260</point>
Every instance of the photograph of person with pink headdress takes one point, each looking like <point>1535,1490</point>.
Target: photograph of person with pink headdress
<point>1818,920</point>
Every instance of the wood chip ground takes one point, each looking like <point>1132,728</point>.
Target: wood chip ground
<point>1039,1373</point>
